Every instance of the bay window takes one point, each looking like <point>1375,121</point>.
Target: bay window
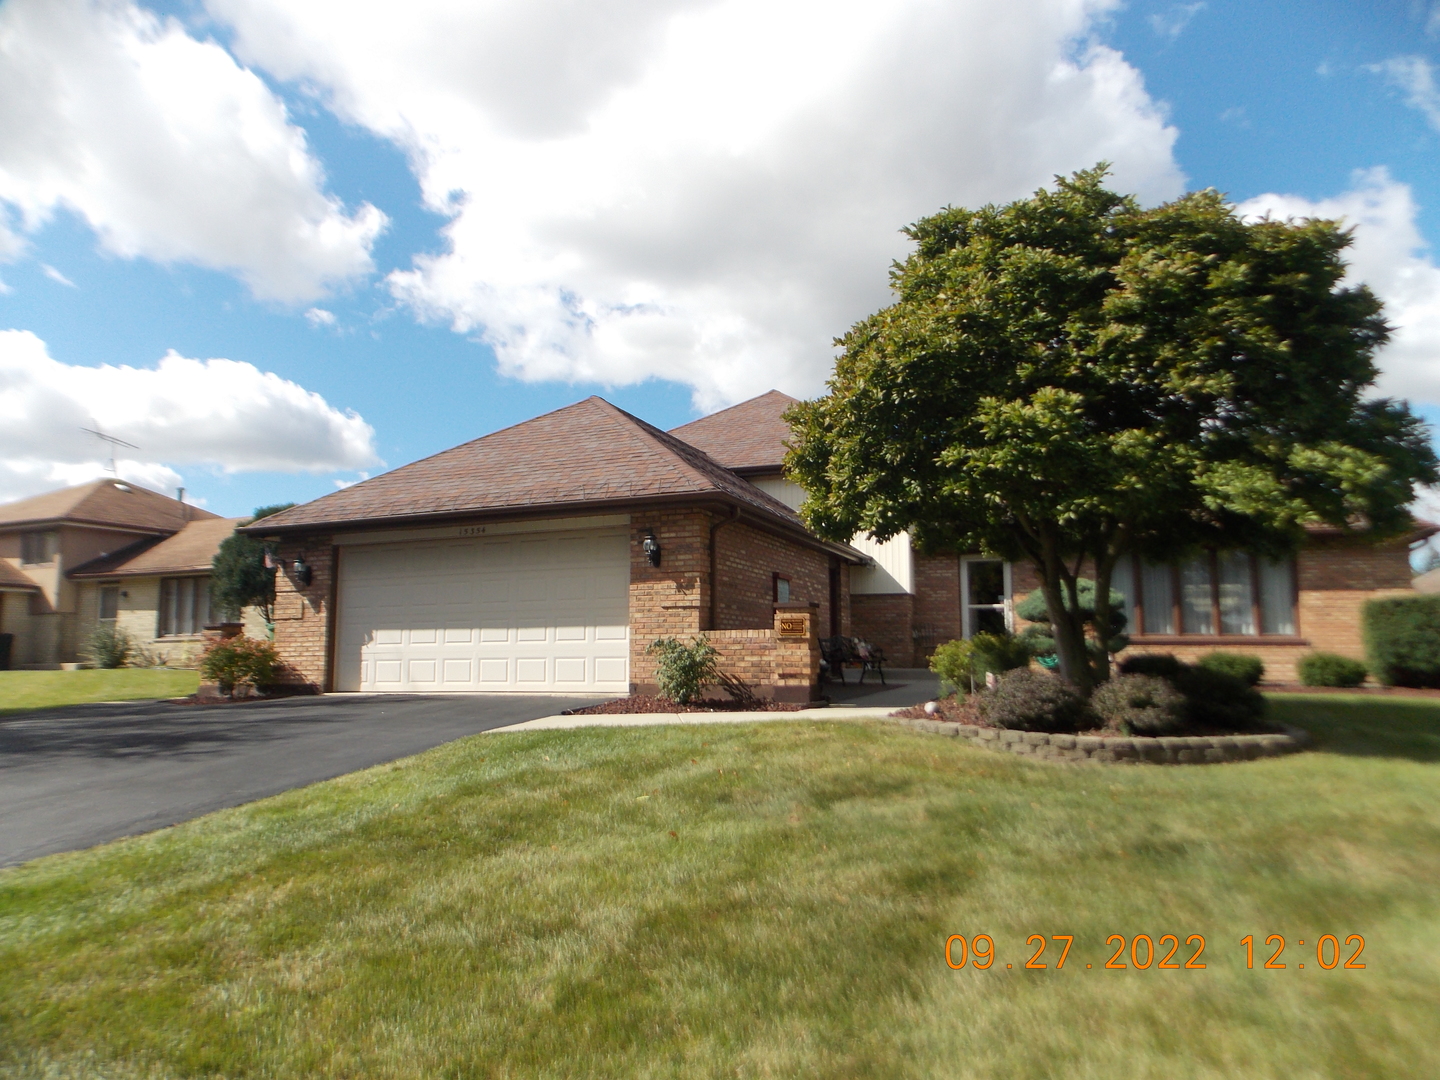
<point>1216,594</point>
<point>184,606</point>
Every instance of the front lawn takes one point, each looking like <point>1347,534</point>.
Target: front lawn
<point>768,900</point>
<point>24,690</point>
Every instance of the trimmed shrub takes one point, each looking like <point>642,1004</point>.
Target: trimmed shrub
<point>681,670</point>
<point>1162,664</point>
<point>1139,705</point>
<point>109,646</point>
<point>1330,669</point>
<point>1402,640</point>
<point>1029,700</point>
<point>233,661</point>
<point>1216,700</point>
<point>1213,699</point>
<point>959,662</point>
<point>1248,669</point>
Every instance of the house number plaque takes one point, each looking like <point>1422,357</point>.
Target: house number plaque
<point>792,626</point>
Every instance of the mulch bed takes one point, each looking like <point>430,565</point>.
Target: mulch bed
<point>955,710</point>
<point>641,703</point>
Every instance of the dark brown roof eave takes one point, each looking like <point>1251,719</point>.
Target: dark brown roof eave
<point>750,513</point>
<point>149,571</point>
<point>57,522</point>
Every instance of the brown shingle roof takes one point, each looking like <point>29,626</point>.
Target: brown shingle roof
<point>749,437</point>
<point>587,453</point>
<point>191,549</point>
<point>103,502</point>
<point>11,578</point>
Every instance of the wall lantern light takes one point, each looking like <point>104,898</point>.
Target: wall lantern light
<point>651,547</point>
<point>303,573</point>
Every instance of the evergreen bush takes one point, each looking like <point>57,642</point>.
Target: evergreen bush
<point>681,670</point>
<point>1330,669</point>
<point>1028,700</point>
<point>1139,705</point>
<point>109,646</point>
<point>1402,640</point>
<point>241,660</point>
<point>1248,669</point>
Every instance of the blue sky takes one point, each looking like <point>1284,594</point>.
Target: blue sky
<point>596,238</point>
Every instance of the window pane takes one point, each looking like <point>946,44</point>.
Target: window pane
<point>1197,612</point>
<point>167,606</point>
<point>109,603</point>
<point>1277,597</point>
<point>1237,599</point>
<point>202,604</point>
<point>1158,596</point>
<point>987,581</point>
<point>187,606</point>
<point>1121,581</point>
<point>782,590</point>
<point>987,620</point>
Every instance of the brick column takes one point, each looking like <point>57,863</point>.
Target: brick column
<point>797,652</point>
<point>303,613</point>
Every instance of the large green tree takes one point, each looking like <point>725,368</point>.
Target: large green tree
<point>239,577</point>
<point>1071,378</point>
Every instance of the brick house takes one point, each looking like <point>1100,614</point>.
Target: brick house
<point>907,601</point>
<point>547,557</point>
<point>550,555</point>
<point>49,609</point>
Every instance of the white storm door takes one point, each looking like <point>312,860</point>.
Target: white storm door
<point>536,611</point>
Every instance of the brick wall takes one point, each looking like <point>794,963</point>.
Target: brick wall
<point>303,612</point>
<point>746,562</point>
<point>885,619</point>
<point>937,602</point>
<point>672,599</point>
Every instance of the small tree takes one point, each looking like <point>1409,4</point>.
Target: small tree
<point>1072,378</point>
<point>239,577</point>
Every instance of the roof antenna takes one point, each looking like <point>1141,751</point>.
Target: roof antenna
<point>112,440</point>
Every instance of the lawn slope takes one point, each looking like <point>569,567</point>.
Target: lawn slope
<point>21,691</point>
<point>754,901</point>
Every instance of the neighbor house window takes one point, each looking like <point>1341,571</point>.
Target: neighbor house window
<point>782,589</point>
<point>109,602</point>
<point>184,605</point>
<point>1228,594</point>
<point>38,547</point>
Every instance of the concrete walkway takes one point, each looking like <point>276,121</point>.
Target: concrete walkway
<point>557,723</point>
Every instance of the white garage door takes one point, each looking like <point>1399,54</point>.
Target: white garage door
<point>530,612</point>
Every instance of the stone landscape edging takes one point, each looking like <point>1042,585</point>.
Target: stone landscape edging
<point>1120,749</point>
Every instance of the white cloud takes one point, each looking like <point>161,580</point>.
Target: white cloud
<point>167,148</point>
<point>318,317</point>
<point>1416,77</point>
<point>1172,23</point>
<point>1391,257</point>
<point>56,275</point>
<point>703,191</point>
<point>214,413</point>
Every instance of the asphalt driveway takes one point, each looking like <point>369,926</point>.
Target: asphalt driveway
<point>78,776</point>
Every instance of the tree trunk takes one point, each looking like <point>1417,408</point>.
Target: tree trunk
<point>1068,628</point>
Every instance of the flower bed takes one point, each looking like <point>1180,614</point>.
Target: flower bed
<point>1117,749</point>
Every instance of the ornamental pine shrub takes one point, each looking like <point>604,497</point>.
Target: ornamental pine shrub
<point>681,670</point>
<point>1402,640</point>
<point>1139,705</point>
<point>1248,669</point>
<point>241,660</point>
<point>1028,700</point>
<point>1330,669</point>
<point>1162,664</point>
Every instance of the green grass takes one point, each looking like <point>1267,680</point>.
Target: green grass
<point>754,901</point>
<point>21,691</point>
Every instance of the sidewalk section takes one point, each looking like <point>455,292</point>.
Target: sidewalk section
<point>552,723</point>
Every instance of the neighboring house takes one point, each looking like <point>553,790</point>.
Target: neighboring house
<point>158,592</point>
<point>550,555</point>
<point>44,538</point>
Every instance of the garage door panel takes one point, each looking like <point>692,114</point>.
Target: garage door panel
<point>545,611</point>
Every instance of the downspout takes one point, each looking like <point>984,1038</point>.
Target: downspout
<point>715,564</point>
